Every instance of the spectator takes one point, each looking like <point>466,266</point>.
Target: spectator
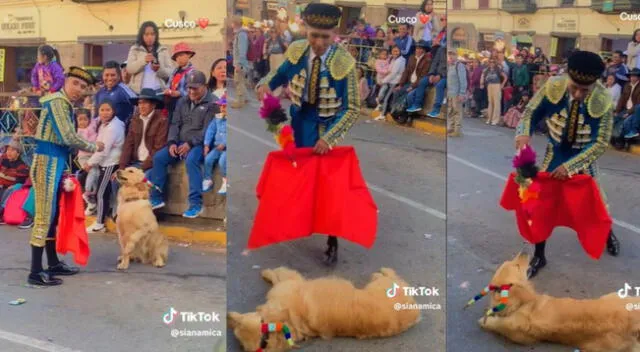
<point>115,91</point>
<point>215,149</point>
<point>87,129</point>
<point>520,78</point>
<point>456,90</point>
<point>218,80</point>
<point>503,64</point>
<point>274,48</point>
<point>47,75</point>
<point>479,94</point>
<point>283,30</point>
<point>256,55</point>
<point>12,171</point>
<point>426,31</point>
<point>381,40</point>
<point>186,138</point>
<point>614,89</point>
<point>363,85</point>
<point>147,132</point>
<point>390,42</point>
<point>438,71</point>
<point>126,77</point>
<point>240,62</point>
<point>148,62</point>
<point>618,69</point>
<point>413,75</point>
<point>494,79</point>
<point>404,41</point>
<point>182,54</point>
<point>627,105</point>
<point>540,78</point>
<point>111,132</point>
<point>390,81</point>
<point>382,66</point>
<point>633,50</point>
<point>513,115</point>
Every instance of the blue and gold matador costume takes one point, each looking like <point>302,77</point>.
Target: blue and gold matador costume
<point>578,136</point>
<point>55,138</point>
<point>338,104</point>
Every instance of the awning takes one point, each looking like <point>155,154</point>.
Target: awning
<point>113,39</point>
<point>524,39</point>
<point>20,42</point>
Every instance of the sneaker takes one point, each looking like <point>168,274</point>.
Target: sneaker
<point>26,224</point>
<point>192,212</point>
<point>631,135</point>
<point>157,204</point>
<point>434,113</point>
<point>223,188</point>
<point>413,109</point>
<point>91,209</point>
<point>207,186</point>
<point>95,228</point>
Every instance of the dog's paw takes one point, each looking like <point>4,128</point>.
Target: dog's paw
<point>159,263</point>
<point>123,266</point>
<point>119,259</point>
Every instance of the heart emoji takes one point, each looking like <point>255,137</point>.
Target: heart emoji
<point>424,18</point>
<point>203,22</point>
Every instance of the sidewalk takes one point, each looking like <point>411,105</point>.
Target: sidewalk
<point>434,126</point>
<point>192,231</point>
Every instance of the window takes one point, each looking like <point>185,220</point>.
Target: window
<point>457,4</point>
<point>26,58</point>
<point>483,4</point>
<point>567,3</point>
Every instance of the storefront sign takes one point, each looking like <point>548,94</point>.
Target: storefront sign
<point>18,24</point>
<point>2,60</point>
<point>242,4</point>
<point>566,23</point>
<point>522,22</point>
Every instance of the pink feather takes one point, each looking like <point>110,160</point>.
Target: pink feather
<point>525,156</point>
<point>269,105</point>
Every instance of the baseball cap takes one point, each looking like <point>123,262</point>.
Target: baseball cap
<point>196,79</point>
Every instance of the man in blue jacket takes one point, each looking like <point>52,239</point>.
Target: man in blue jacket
<point>116,91</point>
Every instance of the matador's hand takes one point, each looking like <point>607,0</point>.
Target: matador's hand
<point>560,173</point>
<point>521,141</point>
<point>321,147</point>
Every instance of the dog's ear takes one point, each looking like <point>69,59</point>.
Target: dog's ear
<point>234,319</point>
<point>522,260</point>
<point>519,294</point>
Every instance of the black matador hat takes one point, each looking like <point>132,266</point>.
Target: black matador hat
<point>81,73</point>
<point>321,16</point>
<point>585,67</point>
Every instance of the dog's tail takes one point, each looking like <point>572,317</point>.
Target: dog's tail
<point>280,274</point>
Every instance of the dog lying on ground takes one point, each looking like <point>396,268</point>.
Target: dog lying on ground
<point>592,325</point>
<point>140,239</point>
<point>326,308</point>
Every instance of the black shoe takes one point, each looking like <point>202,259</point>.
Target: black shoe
<point>26,224</point>
<point>613,245</point>
<point>43,279</point>
<point>62,269</point>
<point>535,265</point>
<point>331,255</point>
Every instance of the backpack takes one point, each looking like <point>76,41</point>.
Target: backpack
<point>399,107</point>
<point>13,213</point>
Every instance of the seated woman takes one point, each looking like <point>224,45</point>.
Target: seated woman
<point>13,171</point>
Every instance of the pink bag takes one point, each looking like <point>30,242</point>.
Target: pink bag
<point>13,213</point>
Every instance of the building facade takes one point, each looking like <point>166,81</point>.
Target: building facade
<point>556,26</point>
<point>88,33</point>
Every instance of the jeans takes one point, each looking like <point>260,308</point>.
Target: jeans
<point>193,162</point>
<point>416,96</point>
<point>631,124</point>
<point>441,87</point>
<point>210,160</point>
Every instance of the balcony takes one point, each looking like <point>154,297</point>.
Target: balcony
<point>615,6</point>
<point>519,6</point>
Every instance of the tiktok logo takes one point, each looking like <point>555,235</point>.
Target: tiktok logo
<point>391,292</point>
<point>169,316</point>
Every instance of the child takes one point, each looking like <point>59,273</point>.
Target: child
<point>12,171</point>
<point>363,85</point>
<point>382,66</point>
<point>216,135</point>
<point>88,104</point>
<point>47,75</point>
<point>87,129</point>
<point>182,55</point>
<point>513,115</point>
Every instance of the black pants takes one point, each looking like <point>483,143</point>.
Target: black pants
<point>104,192</point>
<point>480,97</point>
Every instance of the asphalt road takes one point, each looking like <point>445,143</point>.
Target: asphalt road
<point>481,235</point>
<point>405,170</point>
<point>103,310</point>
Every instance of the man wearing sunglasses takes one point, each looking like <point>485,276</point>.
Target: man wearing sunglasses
<point>321,75</point>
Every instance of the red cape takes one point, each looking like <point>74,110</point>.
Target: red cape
<point>71,234</point>
<point>575,203</point>
<point>323,194</point>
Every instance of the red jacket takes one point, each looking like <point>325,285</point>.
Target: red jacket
<point>323,194</point>
<point>575,203</point>
<point>71,233</point>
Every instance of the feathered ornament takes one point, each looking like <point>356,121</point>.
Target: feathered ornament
<point>68,185</point>
<point>526,171</point>
<point>271,111</point>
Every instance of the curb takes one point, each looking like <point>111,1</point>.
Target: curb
<point>635,149</point>
<point>177,233</point>
<point>426,124</point>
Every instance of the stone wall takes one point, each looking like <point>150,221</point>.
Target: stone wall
<point>215,205</point>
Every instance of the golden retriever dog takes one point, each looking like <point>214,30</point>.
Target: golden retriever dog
<point>605,324</point>
<point>140,239</point>
<point>325,307</point>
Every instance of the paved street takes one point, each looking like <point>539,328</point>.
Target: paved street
<point>405,169</point>
<point>103,310</point>
<point>481,235</point>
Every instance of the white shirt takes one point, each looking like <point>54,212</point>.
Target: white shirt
<point>143,152</point>
<point>414,75</point>
<point>395,71</point>
<point>615,93</point>
<point>149,78</point>
<point>323,67</point>
<point>630,102</point>
<point>112,136</point>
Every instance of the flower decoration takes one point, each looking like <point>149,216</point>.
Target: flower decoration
<point>526,172</point>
